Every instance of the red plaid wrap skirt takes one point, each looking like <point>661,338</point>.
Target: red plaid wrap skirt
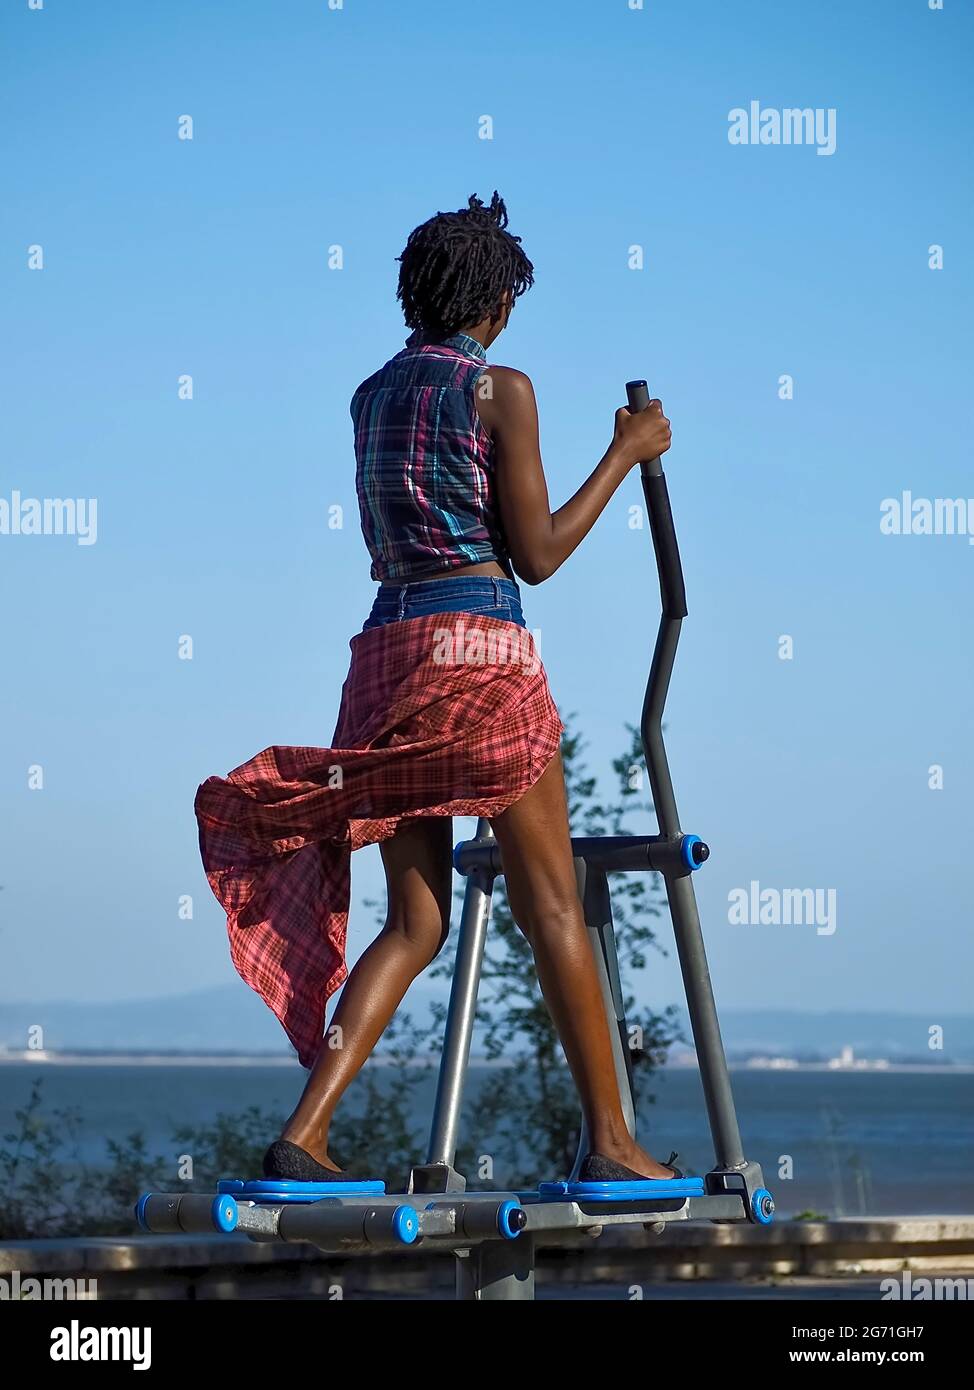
<point>446,715</point>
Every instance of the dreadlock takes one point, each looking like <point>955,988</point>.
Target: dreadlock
<point>457,265</point>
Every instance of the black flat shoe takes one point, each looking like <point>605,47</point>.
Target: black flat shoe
<point>598,1168</point>
<point>286,1160</point>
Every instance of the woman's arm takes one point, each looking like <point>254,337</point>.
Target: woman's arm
<point>541,540</point>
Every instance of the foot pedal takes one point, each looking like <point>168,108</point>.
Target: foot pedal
<point>286,1191</point>
<point>653,1194</point>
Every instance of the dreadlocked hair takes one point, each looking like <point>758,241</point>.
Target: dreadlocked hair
<point>456,267</point>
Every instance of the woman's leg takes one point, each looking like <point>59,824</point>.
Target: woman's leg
<point>419,876</point>
<point>539,872</point>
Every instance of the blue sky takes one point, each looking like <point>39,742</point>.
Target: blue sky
<point>209,257</point>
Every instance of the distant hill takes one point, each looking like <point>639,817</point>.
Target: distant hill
<point>228,1018</point>
<point>231,1018</point>
<point>811,1036</point>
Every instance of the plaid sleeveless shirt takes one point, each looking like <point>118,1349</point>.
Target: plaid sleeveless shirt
<point>424,472</point>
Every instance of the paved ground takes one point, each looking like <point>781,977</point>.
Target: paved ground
<point>863,1288</point>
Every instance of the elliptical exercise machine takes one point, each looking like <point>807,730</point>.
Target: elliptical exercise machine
<point>494,1234</point>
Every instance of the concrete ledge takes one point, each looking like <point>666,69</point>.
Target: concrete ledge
<point>220,1267</point>
<point>804,1248</point>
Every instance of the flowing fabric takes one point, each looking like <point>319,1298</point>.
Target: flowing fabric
<point>443,715</point>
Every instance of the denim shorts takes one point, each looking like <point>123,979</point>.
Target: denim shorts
<point>472,593</point>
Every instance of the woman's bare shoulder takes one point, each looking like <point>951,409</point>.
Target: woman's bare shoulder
<point>513,384</point>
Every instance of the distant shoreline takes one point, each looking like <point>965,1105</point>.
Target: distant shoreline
<point>274,1059</point>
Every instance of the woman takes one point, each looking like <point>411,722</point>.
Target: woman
<point>453,504</point>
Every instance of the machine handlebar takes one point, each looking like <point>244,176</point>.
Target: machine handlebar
<point>671,587</point>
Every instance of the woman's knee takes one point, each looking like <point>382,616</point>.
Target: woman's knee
<point>419,880</point>
<point>547,915</point>
<point>423,931</point>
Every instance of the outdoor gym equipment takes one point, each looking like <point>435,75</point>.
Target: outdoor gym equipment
<point>494,1234</point>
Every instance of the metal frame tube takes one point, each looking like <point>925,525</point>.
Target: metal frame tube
<point>701,1005</point>
<point>497,1270</point>
<point>651,725</point>
<point>704,1023</point>
<point>462,1010</point>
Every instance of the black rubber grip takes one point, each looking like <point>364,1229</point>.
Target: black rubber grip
<point>638,394</point>
<point>671,587</point>
<point>673,594</point>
